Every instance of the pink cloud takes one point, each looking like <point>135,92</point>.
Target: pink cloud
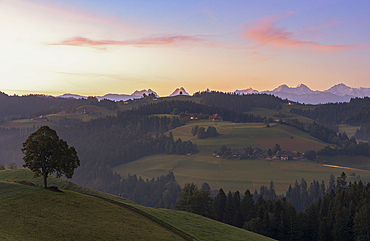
<point>150,41</point>
<point>267,34</point>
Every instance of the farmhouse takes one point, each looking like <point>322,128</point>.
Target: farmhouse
<point>215,117</point>
<point>257,152</point>
<point>238,152</point>
<point>284,155</point>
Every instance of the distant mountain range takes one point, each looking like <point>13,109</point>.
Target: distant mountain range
<point>115,97</point>
<point>301,93</point>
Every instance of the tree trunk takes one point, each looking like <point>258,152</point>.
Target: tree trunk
<point>44,181</point>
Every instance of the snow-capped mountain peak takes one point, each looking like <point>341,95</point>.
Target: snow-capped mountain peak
<point>301,89</point>
<point>282,88</point>
<point>342,90</point>
<point>246,91</point>
<point>180,91</point>
<point>139,93</point>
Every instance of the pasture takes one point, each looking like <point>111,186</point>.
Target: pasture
<point>232,174</point>
<point>34,213</point>
<point>31,213</point>
<point>242,135</point>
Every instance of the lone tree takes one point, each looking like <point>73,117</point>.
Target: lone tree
<point>45,153</point>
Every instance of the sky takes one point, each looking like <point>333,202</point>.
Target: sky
<point>96,47</point>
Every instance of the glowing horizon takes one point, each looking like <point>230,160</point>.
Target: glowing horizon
<point>100,47</point>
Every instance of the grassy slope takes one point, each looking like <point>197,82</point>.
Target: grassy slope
<point>350,130</point>
<point>196,226</point>
<point>32,213</point>
<point>240,174</point>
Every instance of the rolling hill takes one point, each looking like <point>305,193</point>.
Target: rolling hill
<point>233,174</point>
<point>32,213</point>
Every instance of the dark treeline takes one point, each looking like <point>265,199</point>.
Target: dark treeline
<point>355,113</point>
<point>160,192</point>
<point>240,102</point>
<point>166,107</point>
<point>36,105</point>
<point>339,213</point>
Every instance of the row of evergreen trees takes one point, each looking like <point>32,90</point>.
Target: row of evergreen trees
<point>341,212</point>
<point>355,112</point>
<point>159,193</point>
<point>238,102</point>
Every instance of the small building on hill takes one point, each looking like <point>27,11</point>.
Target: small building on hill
<point>284,155</point>
<point>238,152</point>
<point>257,152</point>
<point>215,117</point>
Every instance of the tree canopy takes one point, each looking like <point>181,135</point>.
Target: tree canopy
<point>45,153</point>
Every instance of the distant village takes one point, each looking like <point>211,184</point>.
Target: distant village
<point>248,153</point>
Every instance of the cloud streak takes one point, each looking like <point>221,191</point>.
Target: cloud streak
<point>267,34</point>
<point>150,41</point>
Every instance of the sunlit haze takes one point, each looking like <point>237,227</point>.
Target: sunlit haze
<point>97,47</point>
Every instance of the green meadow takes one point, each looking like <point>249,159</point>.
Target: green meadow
<point>232,174</point>
<point>349,130</point>
<point>79,213</point>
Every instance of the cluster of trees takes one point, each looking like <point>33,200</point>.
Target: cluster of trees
<point>274,150</point>
<point>355,112</point>
<point>202,133</point>
<point>352,150</point>
<point>239,102</point>
<point>167,107</point>
<point>363,133</point>
<point>159,193</point>
<point>226,152</point>
<point>11,165</point>
<point>341,212</point>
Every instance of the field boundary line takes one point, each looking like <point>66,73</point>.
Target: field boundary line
<point>342,167</point>
<point>149,217</point>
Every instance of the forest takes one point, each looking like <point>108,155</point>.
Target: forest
<point>340,212</point>
<point>240,102</point>
<point>356,112</point>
